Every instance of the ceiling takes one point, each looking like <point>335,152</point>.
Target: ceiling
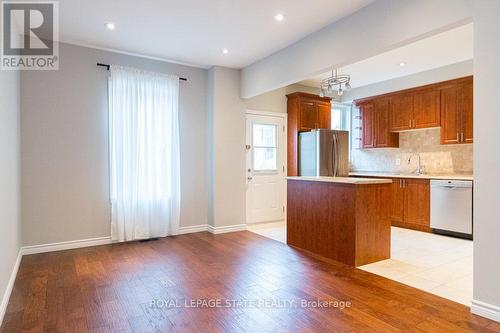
<point>443,49</point>
<point>196,31</point>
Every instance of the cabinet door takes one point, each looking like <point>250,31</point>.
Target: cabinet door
<point>324,115</point>
<point>367,119</point>
<point>308,116</point>
<point>382,134</point>
<point>417,201</point>
<point>450,117</point>
<point>426,109</point>
<point>401,112</point>
<point>466,105</point>
<point>397,211</point>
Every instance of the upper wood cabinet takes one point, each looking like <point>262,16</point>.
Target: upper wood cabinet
<point>367,127</point>
<point>383,135</point>
<point>305,112</point>
<point>313,111</point>
<point>401,112</point>
<point>426,109</point>
<point>375,119</point>
<point>448,105</point>
<point>415,109</point>
<point>457,113</point>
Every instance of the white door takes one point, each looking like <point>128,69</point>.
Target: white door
<point>265,166</point>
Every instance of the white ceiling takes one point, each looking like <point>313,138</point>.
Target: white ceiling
<point>446,48</point>
<point>196,31</point>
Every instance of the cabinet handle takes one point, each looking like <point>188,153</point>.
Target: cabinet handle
<point>458,137</point>
<point>462,137</point>
<point>400,183</point>
<point>410,123</point>
<point>404,183</point>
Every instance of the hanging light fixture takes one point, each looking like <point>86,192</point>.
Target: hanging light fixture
<point>336,82</point>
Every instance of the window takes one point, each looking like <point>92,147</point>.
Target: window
<point>341,116</point>
<point>264,147</point>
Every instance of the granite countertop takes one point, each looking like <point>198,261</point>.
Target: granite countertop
<point>344,180</point>
<point>409,175</point>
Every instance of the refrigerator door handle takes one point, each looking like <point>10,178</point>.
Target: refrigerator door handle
<point>335,156</point>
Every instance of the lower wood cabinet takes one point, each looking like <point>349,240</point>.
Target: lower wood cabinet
<point>411,203</point>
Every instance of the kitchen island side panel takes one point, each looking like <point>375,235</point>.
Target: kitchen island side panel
<point>373,223</point>
<point>321,219</point>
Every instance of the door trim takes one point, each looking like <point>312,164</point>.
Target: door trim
<point>283,116</point>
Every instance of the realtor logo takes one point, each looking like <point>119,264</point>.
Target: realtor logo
<point>29,30</point>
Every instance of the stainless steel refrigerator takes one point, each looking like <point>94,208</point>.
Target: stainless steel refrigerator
<point>324,152</point>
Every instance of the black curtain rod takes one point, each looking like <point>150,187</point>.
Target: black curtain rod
<point>107,68</point>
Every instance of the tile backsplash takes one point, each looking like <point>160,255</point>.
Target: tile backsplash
<point>435,158</point>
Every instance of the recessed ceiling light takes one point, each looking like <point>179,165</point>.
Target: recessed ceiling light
<point>225,51</point>
<point>402,64</point>
<point>110,26</point>
<point>279,17</point>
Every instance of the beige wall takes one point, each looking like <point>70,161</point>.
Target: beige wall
<point>436,158</point>
<point>65,181</point>
<point>10,222</point>
<point>227,139</point>
<point>275,101</point>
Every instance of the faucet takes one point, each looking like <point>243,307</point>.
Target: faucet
<point>420,169</point>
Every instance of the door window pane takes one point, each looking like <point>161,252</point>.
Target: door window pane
<point>264,135</point>
<point>264,147</point>
<point>264,159</point>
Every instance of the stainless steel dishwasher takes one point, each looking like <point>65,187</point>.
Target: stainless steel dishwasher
<point>451,207</point>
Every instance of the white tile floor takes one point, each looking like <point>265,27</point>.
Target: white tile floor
<point>437,264</point>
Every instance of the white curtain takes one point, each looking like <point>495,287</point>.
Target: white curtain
<point>144,154</point>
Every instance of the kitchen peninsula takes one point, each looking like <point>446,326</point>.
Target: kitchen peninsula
<point>340,218</point>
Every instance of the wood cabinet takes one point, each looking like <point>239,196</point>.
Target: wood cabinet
<point>401,112</point>
<point>375,118</point>
<point>397,204</point>
<point>414,110</point>
<point>450,128</point>
<point>457,113</point>
<point>411,203</point>
<point>382,133</point>
<point>448,105</point>
<point>426,109</point>
<point>367,127</point>
<point>305,112</point>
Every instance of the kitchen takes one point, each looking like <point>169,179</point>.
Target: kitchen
<point>413,131</point>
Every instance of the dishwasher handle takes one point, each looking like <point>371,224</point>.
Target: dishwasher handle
<point>451,184</point>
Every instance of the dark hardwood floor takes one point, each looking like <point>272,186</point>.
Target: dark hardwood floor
<point>113,289</point>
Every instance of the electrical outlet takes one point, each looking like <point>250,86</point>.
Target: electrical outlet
<point>398,161</point>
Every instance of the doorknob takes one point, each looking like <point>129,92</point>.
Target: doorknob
<point>249,178</point>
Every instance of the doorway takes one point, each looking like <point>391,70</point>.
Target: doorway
<point>265,168</point>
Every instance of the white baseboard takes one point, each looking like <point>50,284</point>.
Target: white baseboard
<point>10,286</point>
<point>229,228</point>
<point>195,228</point>
<point>43,248</point>
<point>34,249</point>
<point>486,310</point>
